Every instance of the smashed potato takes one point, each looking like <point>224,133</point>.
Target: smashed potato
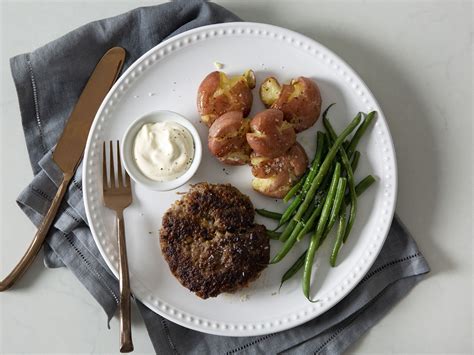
<point>227,139</point>
<point>270,135</point>
<point>219,94</point>
<point>300,100</point>
<point>275,177</point>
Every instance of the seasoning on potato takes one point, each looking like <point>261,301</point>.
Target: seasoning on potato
<point>227,139</point>
<point>274,177</point>
<point>219,94</point>
<point>270,135</point>
<point>300,101</point>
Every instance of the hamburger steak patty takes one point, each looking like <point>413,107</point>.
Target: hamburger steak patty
<point>210,241</point>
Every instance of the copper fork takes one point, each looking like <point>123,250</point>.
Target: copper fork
<point>117,192</point>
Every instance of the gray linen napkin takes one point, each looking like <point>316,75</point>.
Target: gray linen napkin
<point>49,81</point>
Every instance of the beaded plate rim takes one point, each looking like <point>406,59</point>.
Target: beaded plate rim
<point>383,137</point>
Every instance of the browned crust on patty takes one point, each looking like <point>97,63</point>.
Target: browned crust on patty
<point>210,241</point>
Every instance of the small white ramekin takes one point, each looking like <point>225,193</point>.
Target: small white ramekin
<point>127,150</point>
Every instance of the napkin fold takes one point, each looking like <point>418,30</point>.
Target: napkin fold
<point>49,81</point>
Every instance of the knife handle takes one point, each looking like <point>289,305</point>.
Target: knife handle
<point>39,238</point>
<point>126,344</point>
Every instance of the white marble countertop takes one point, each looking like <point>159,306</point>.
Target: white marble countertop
<point>417,59</point>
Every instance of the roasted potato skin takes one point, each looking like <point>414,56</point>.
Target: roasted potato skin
<point>219,94</point>
<point>270,135</point>
<point>274,177</point>
<point>300,101</point>
<point>227,139</point>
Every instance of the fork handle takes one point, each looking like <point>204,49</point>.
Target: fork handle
<point>39,237</point>
<point>126,344</point>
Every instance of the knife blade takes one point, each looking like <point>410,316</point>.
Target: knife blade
<point>70,147</point>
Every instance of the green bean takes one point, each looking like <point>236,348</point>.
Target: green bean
<point>341,231</point>
<point>312,219</point>
<point>294,190</point>
<point>268,214</point>
<point>325,112</point>
<point>345,145</point>
<point>273,235</point>
<point>320,195</point>
<point>350,177</point>
<point>320,148</point>
<point>360,132</point>
<point>328,202</point>
<point>314,243</point>
<point>325,167</point>
<point>318,201</point>
<point>355,160</point>
<point>298,264</point>
<point>308,266</point>
<point>287,231</point>
<point>287,245</point>
<point>336,207</point>
<point>333,218</point>
<point>360,188</point>
<point>321,144</point>
<point>291,240</point>
<point>289,211</point>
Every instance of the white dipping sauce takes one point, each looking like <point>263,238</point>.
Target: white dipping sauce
<point>163,151</point>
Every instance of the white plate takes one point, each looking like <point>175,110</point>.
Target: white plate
<point>166,78</point>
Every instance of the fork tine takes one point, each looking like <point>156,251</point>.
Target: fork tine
<point>105,184</point>
<point>119,167</point>
<point>112,170</point>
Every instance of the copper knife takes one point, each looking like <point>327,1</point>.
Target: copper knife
<point>70,148</point>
